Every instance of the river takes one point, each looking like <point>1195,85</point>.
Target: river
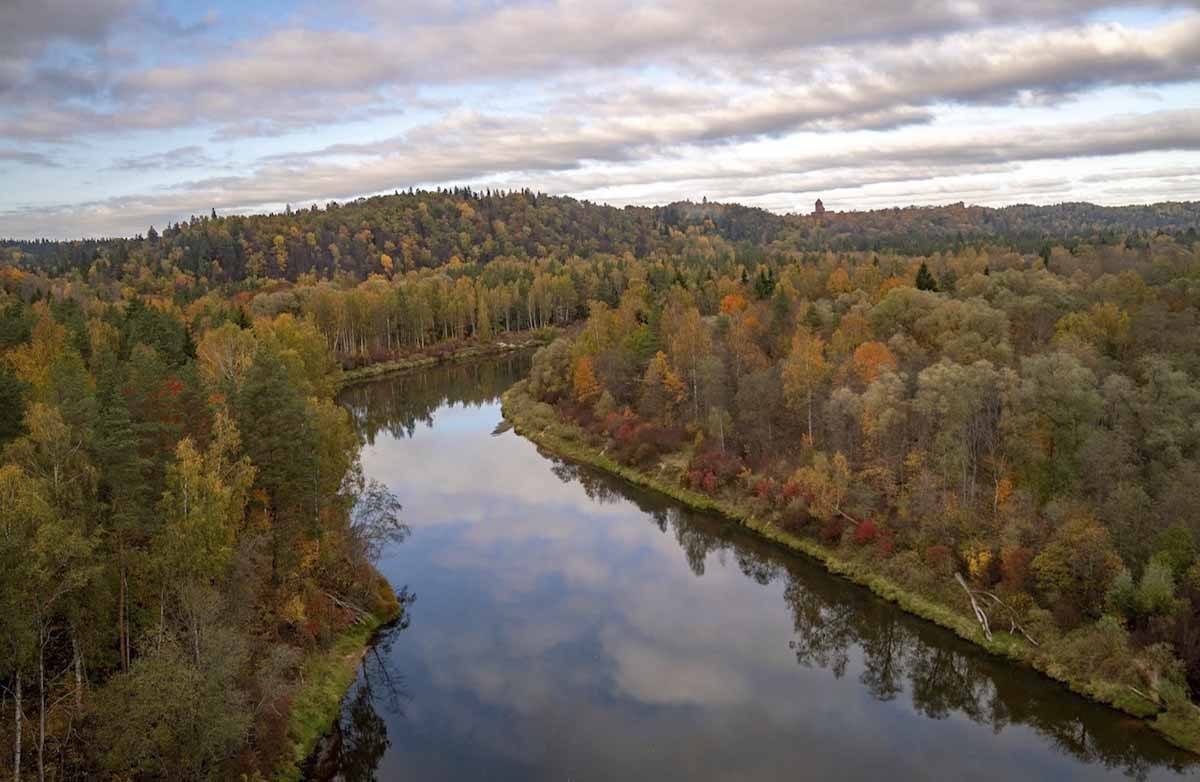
<point>562,625</point>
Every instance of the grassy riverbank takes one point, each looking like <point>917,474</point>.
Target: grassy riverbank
<point>441,354</point>
<point>1179,723</point>
<point>326,676</point>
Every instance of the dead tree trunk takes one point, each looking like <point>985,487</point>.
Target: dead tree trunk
<point>979,612</point>
<point>1014,626</point>
<point>17,733</point>
<point>78,672</point>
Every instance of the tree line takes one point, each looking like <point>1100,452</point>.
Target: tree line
<point>428,229</point>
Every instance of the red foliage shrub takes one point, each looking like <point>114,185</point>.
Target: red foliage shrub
<point>865,533</point>
<point>638,441</point>
<point>790,491</point>
<point>711,469</point>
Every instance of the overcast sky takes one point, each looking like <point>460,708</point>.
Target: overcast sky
<point>119,114</point>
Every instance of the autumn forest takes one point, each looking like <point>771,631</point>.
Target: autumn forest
<point>990,416</point>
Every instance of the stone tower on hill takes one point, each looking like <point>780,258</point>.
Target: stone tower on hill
<point>819,209</point>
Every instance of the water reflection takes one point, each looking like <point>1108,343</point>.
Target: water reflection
<point>572,626</point>
<point>834,620</point>
<point>395,406</point>
<point>357,741</point>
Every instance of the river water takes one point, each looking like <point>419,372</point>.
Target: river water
<point>562,625</point>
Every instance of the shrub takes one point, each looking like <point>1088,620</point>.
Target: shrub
<point>710,469</point>
<point>865,533</point>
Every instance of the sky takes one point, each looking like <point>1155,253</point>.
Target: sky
<point>120,114</point>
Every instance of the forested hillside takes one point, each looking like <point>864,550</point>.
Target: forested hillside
<point>405,232</point>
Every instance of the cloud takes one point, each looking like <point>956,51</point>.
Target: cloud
<point>563,160</point>
<point>27,157</point>
<point>827,70</point>
<point>614,99</point>
<point>192,156</point>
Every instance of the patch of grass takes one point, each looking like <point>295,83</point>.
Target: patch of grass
<point>541,424</point>
<point>327,674</point>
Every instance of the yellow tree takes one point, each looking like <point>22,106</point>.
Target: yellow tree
<point>281,255</point>
<point>483,315</point>
<point>688,342</point>
<point>662,389</point>
<point>826,482</point>
<point>202,509</point>
<point>804,370</point>
<point>586,387</point>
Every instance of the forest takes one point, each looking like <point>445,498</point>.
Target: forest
<point>997,410</point>
<point>183,527</point>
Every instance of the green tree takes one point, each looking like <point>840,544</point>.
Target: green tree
<point>1077,566</point>
<point>925,280</point>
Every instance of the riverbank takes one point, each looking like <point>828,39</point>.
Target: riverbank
<point>510,343</point>
<point>541,424</point>
<point>327,675</point>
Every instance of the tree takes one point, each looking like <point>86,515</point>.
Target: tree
<point>225,353</point>
<point>22,512</point>
<point>803,372</point>
<point>550,378</point>
<point>51,555</point>
<point>12,404</point>
<point>962,407</point>
<point>825,482</point>
<point>872,359</point>
<point>925,280</point>
<point>662,390</point>
<point>279,439</point>
<point>281,255</point>
<point>586,388</point>
<point>1077,566</point>
<point>1055,404</point>
<point>202,505</point>
<point>169,718</point>
<point>688,342</point>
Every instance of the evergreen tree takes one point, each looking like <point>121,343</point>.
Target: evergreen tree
<point>925,280</point>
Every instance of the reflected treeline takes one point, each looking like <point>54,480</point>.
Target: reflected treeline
<point>397,404</point>
<point>358,739</point>
<point>839,626</point>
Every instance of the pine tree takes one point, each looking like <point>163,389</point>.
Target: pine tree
<point>925,281</point>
